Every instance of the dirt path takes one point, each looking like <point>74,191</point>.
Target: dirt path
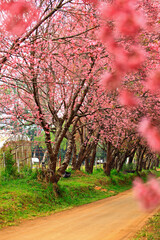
<point>113,218</point>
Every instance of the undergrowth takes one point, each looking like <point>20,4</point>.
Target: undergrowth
<point>151,231</point>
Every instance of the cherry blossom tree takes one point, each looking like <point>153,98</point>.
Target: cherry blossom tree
<point>46,80</point>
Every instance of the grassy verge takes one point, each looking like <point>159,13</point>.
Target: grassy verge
<point>27,197</point>
<point>152,229</point>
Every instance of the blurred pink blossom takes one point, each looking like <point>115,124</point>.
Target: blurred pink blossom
<point>107,10</point>
<point>125,4</point>
<point>105,34</point>
<point>136,57</point>
<point>153,82</point>
<point>150,133</point>
<point>128,99</point>
<point>130,23</point>
<point>110,81</point>
<point>144,126</point>
<point>148,195</point>
<point>19,15</point>
<point>94,2</point>
<point>121,59</point>
<point>129,60</point>
<point>118,7</point>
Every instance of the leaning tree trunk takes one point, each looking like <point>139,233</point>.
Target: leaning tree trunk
<point>122,161</point>
<point>152,164</point>
<point>140,165</point>
<point>138,157</point>
<point>87,165</point>
<point>93,149</point>
<point>148,163</point>
<point>157,163</point>
<point>44,156</point>
<point>83,154</point>
<point>74,156</point>
<point>115,163</point>
<point>78,161</point>
<point>132,157</point>
<point>66,161</point>
<point>89,162</point>
<point>109,160</point>
<point>93,156</point>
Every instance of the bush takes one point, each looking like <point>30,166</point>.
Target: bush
<point>27,172</point>
<point>10,166</point>
<point>36,173</point>
<point>114,172</point>
<point>131,167</point>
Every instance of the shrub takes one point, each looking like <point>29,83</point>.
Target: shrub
<point>26,171</point>
<point>114,172</point>
<point>10,166</point>
<point>129,167</point>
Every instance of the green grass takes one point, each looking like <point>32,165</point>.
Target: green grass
<point>27,197</point>
<point>151,231</point>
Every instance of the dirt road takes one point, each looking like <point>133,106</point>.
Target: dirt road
<point>113,218</point>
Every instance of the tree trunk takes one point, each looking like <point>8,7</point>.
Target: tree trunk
<point>116,162</point>
<point>44,156</point>
<point>149,163</point>
<point>138,157</point>
<point>152,164</point>
<point>132,157</point>
<point>108,165</point>
<point>78,163</point>
<point>83,154</point>
<point>122,161</point>
<point>66,161</point>
<point>74,156</point>
<point>93,159</point>
<point>79,160</point>
<point>89,163</point>
<point>157,163</point>
<point>141,160</point>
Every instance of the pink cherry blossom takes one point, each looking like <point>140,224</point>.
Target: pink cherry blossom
<point>107,11</point>
<point>153,82</point>
<point>144,126</point>
<point>121,60</point>
<point>148,195</point>
<point>131,60</point>
<point>128,99</point>
<point>19,15</point>
<point>150,133</point>
<point>94,2</point>
<point>126,61</point>
<point>105,34</point>
<point>130,23</point>
<point>16,7</point>
<point>136,57</point>
<point>110,81</point>
<point>125,4</point>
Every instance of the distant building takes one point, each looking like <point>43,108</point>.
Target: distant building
<point>20,146</point>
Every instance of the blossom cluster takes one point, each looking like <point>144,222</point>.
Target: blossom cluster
<point>151,134</point>
<point>17,15</point>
